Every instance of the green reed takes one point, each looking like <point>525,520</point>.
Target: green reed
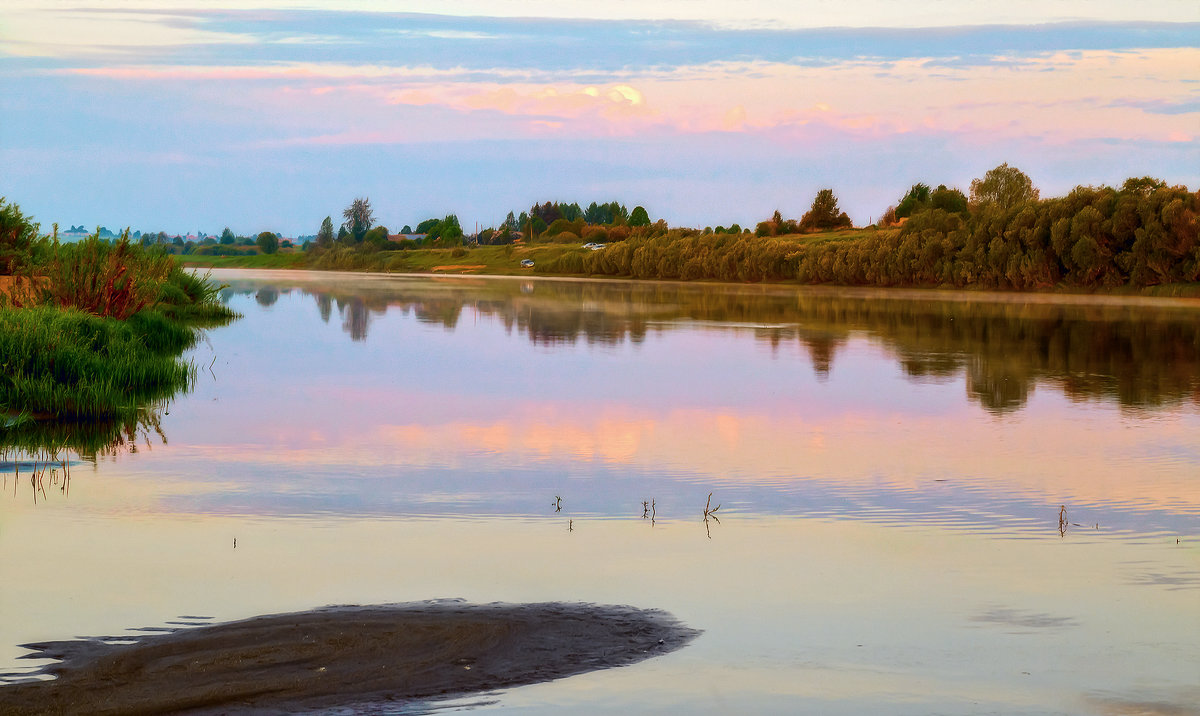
<point>66,364</point>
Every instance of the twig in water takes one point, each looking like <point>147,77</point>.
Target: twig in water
<point>710,512</point>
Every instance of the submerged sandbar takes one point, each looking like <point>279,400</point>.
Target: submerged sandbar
<point>340,656</point>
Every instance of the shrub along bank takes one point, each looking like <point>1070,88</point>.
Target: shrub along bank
<point>1144,234</point>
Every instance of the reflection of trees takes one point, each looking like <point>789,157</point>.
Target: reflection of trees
<point>356,317</point>
<point>267,296</point>
<point>1135,355</point>
<point>325,306</point>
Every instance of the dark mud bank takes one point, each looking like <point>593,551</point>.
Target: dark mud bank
<point>341,656</point>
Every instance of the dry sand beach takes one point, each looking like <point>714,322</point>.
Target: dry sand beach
<point>341,656</point>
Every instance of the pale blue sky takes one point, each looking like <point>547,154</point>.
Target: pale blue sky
<point>259,116</point>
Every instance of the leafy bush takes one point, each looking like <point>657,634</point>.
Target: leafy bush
<point>267,242</point>
<point>17,236</point>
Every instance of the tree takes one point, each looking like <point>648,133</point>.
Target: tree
<point>595,214</point>
<point>227,237</point>
<point>824,214</point>
<point>377,237</point>
<point>915,199</point>
<point>358,218</point>
<point>639,217</point>
<point>17,234</point>
<point>1003,187</point>
<point>1142,186</point>
<point>268,243</point>
<point>950,200</point>
<point>406,230</point>
<point>325,235</point>
<point>450,232</point>
<point>427,226</point>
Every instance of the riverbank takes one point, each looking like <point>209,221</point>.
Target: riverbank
<point>337,657</point>
<point>498,270</point>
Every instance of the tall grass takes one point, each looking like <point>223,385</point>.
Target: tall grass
<point>68,364</point>
<point>109,280</point>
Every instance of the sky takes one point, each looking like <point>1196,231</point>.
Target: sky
<point>189,116</point>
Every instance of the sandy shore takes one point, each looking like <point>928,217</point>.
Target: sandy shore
<point>340,656</point>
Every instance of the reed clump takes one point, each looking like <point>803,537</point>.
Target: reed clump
<point>66,364</point>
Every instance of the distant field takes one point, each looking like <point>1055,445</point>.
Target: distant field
<point>477,260</point>
<point>275,261</point>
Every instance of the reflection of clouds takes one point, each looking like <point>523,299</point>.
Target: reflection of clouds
<point>857,452</point>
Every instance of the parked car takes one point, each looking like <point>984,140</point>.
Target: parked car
<point>596,247</point>
<point>526,263</point>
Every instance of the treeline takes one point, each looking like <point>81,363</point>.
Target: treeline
<point>566,223</point>
<point>685,254</point>
<point>1145,233</point>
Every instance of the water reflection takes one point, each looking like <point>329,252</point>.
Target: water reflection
<point>1137,354</point>
<point>44,451</point>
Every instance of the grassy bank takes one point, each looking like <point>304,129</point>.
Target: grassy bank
<point>295,260</point>
<point>66,364</point>
<point>93,331</point>
<point>494,260</point>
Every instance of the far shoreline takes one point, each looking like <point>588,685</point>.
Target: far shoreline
<point>1112,297</point>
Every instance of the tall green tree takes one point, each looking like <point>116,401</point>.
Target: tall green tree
<point>1003,188</point>
<point>639,217</point>
<point>824,214</point>
<point>227,237</point>
<point>325,235</point>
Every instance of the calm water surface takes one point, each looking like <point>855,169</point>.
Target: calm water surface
<point>968,506</point>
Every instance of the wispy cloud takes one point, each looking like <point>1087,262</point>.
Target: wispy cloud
<point>1160,106</point>
<point>701,99</point>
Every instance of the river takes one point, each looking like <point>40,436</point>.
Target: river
<point>928,502</point>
